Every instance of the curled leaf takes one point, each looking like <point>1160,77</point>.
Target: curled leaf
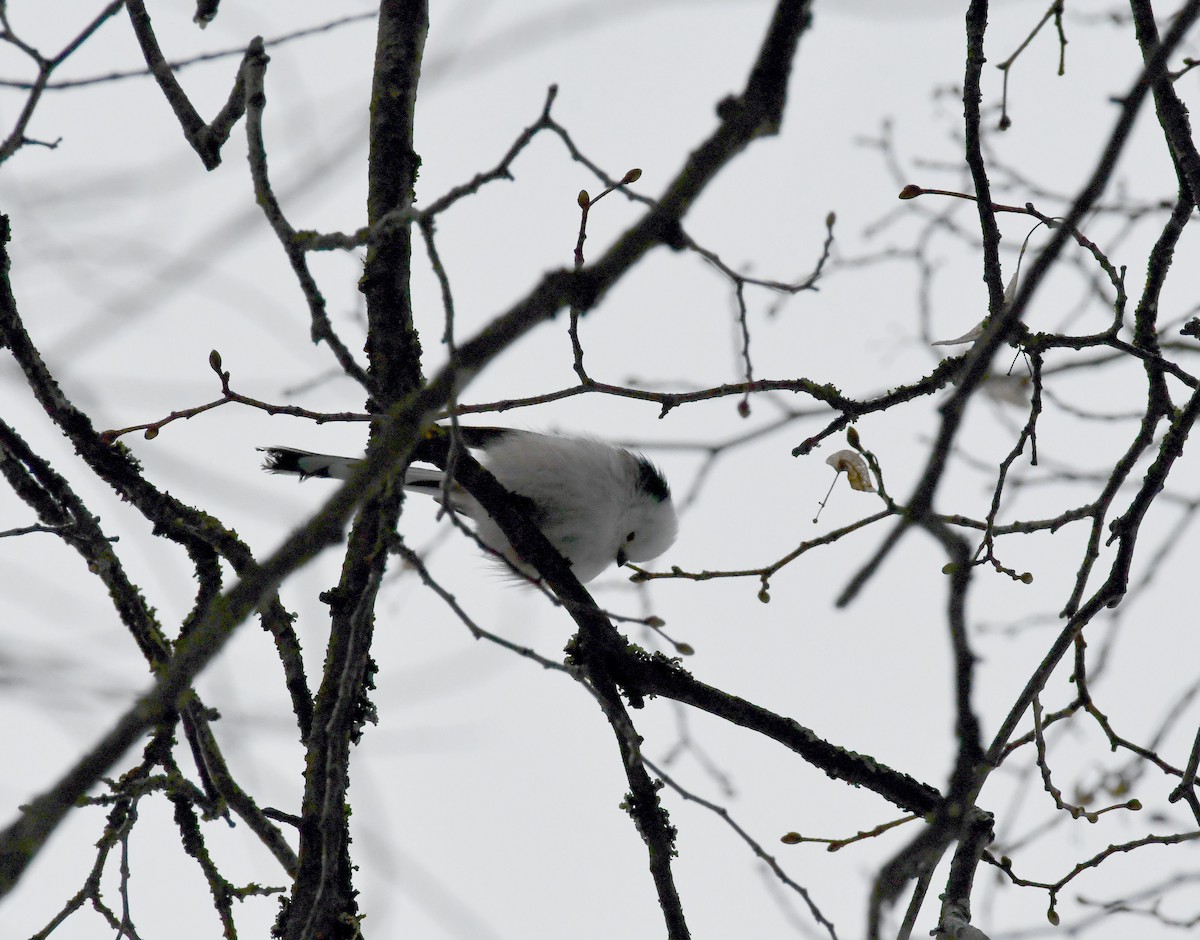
<point>857,473</point>
<point>1011,290</point>
<point>969,337</point>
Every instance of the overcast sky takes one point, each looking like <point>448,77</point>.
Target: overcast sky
<point>486,800</point>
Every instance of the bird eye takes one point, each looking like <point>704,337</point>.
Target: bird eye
<point>630,537</point>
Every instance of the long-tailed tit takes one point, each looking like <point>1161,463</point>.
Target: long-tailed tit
<point>597,504</point>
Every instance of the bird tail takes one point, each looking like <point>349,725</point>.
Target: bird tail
<point>423,480</point>
<point>305,464</point>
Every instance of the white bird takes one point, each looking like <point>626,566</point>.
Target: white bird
<point>596,503</point>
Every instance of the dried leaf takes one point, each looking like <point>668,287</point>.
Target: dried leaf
<point>857,473</point>
<point>1008,389</point>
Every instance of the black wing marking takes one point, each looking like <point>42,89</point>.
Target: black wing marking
<point>651,481</point>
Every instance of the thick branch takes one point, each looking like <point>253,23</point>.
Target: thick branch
<point>1172,114</point>
<point>393,346</point>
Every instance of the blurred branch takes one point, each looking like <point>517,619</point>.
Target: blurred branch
<point>178,65</point>
<point>46,66</point>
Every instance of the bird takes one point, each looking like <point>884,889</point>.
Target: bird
<point>598,504</point>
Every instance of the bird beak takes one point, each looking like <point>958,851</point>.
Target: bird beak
<point>621,557</point>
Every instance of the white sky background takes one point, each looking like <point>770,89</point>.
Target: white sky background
<point>486,799</point>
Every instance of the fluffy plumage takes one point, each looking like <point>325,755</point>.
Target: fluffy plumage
<point>598,504</point>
